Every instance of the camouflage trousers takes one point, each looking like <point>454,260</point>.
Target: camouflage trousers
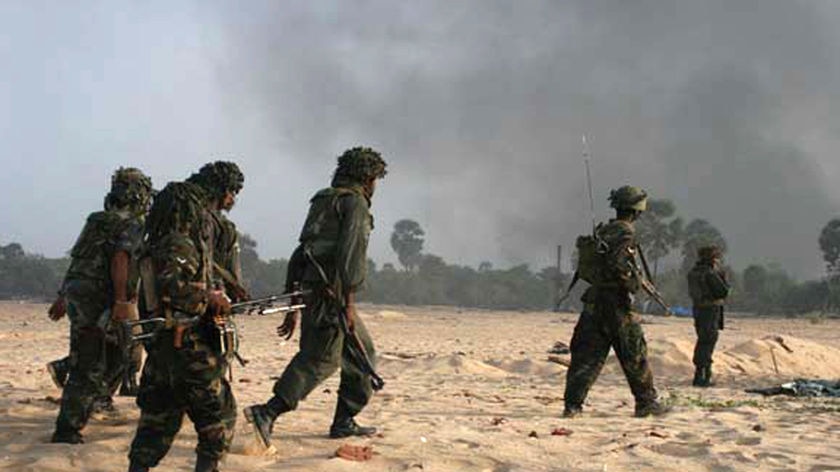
<point>603,325</point>
<point>322,352</point>
<point>177,381</point>
<point>706,324</point>
<point>87,311</point>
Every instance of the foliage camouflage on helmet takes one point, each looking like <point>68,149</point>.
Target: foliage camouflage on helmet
<point>130,189</point>
<point>628,197</point>
<point>177,208</point>
<point>217,178</point>
<point>708,253</point>
<point>359,165</point>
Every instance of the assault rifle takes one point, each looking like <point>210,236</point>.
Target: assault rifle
<point>643,276</point>
<point>124,334</point>
<point>359,353</point>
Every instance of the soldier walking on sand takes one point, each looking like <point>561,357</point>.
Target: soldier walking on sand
<point>331,262</point>
<point>184,373</point>
<point>99,288</point>
<point>708,288</point>
<point>607,320</point>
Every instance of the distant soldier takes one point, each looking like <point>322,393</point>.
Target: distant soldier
<point>184,373</point>
<point>99,288</point>
<point>609,264</point>
<point>708,288</point>
<point>332,258</point>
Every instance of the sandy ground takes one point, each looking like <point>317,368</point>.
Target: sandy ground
<point>472,391</point>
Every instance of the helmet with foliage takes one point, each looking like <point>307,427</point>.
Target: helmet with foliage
<point>131,190</point>
<point>359,165</point>
<point>708,253</point>
<point>218,178</point>
<point>179,207</point>
<point>628,198</point>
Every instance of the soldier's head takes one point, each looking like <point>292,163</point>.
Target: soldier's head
<point>222,181</point>
<point>709,254</point>
<point>359,166</point>
<point>628,201</point>
<point>131,190</point>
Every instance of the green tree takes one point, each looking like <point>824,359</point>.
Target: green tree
<point>699,233</point>
<point>830,246</point>
<point>659,231</point>
<point>407,242</point>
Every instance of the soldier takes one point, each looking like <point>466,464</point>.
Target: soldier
<point>607,320</point>
<point>100,286</point>
<point>184,373</point>
<point>332,257</point>
<point>708,289</point>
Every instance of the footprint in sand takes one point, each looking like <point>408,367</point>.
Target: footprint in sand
<point>680,449</point>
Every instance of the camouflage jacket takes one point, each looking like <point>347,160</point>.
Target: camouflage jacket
<point>707,285</point>
<point>105,233</point>
<point>226,250</point>
<point>336,233</point>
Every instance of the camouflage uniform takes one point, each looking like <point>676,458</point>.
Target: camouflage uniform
<point>607,321</point>
<point>226,255</point>
<point>335,235</point>
<point>187,379</point>
<point>709,289</point>
<point>89,294</point>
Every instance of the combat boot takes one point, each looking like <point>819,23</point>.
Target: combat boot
<point>345,426</point>
<point>652,408</point>
<point>135,467</point>
<point>570,411</point>
<point>206,464</point>
<point>262,417</point>
<point>59,371</point>
<point>707,376</point>
<point>67,437</point>
<point>698,377</point>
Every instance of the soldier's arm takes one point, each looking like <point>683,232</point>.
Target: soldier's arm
<point>351,257</point>
<point>623,249</point>
<point>179,282</point>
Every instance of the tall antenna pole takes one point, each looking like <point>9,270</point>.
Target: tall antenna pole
<point>586,156</point>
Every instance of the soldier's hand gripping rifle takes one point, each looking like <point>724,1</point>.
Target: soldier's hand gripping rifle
<point>125,334</point>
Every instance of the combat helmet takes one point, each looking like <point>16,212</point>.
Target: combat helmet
<point>359,165</point>
<point>218,178</point>
<point>131,190</point>
<point>708,253</point>
<point>628,197</point>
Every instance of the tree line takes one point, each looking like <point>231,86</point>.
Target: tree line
<point>427,279</point>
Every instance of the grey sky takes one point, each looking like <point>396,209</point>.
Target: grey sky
<point>723,106</point>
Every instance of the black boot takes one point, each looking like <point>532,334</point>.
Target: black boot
<point>651,408</point>
<point>59,371</point>
<point>67,437</point>
<point>707,376</point>
<point>262,417</point>
<point>345,426</point>
<point>698,377</point>
<point>571,411</point>
<point>135,467</point>
<point>206,464</point>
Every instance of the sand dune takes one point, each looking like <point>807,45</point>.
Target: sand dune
<point>472,391</point>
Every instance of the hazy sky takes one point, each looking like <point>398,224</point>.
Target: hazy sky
<point>478,106</point>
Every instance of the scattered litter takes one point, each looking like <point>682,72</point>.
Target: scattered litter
<point>498,420</point>
<point>354,453</point>
<point>533,434</point>
<point>802,388</point>
<point>758,428</point>
<point>559,360</point>
<point>245,380</point>
<point>561,432</point>
<point>657,434</point>
<point>781,342</point>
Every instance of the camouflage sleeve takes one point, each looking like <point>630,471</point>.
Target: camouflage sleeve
<point>351,254</point>
<point>623,248</point>
<point>179,276</point>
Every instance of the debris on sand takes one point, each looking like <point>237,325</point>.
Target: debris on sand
<point>354,453</point>
<point>560,348</point>
<point>802,388</point>
<point>561,432</point>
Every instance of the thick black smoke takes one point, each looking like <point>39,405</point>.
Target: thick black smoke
<point>479,107</point>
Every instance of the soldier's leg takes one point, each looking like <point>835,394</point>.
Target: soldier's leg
<point>355,389</point>
<point>86,373</point>
<point>706,325</point>
<point>589,349</point>
<point>161,414</point>
<point>212,409</point>
<point>631,349</point>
